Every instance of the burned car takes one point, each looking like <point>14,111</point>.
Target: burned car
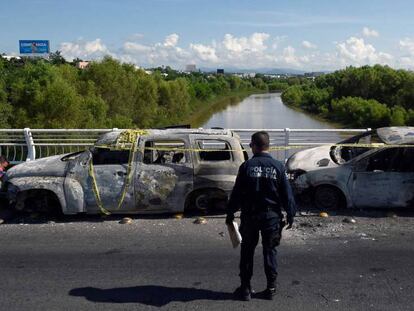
<point>153,171</point>
<point>378,175</point>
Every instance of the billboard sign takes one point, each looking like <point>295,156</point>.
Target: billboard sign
<point>34,46</point>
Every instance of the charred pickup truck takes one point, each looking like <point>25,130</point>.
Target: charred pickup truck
<point>170,170</point>
<point>377,172</point>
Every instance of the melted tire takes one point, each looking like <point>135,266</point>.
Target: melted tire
<point>328,198</point>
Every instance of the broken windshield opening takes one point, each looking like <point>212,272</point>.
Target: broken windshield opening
<point>343,154</point>
<point>106,156</point>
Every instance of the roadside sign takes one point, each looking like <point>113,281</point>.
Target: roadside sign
<point>34,47</point>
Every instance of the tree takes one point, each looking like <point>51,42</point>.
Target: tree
<point>56,58</point>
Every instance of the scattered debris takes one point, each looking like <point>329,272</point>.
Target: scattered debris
<point>323,214</point>
<point>1,221</point>
<point>200,221</point>
<point>349,220</point>
<point>221,234</point>
<point>126,221</point>
<point>392,215</point>
<point>179,216</point>
<point>306,225</point>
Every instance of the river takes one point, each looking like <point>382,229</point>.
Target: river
<point>264,111</point>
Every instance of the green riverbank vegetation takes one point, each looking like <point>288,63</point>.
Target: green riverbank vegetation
<point>57,94</point>
<point>368,96</point>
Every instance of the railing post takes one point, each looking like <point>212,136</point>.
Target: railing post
<point>31,151</point>
<point>287,134</point>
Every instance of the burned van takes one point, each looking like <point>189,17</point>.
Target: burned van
<point>133,171</point>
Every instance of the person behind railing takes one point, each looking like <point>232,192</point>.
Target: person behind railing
<point>4,163</point>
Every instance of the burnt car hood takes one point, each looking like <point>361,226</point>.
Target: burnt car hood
<point>311,159</point>
<point>397,135</point>
<point>50,166</point>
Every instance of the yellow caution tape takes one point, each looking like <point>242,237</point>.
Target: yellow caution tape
<point>96,190</point>
<point>128,140</point>
<point>126,137</point>
<point>273,148</point>
<point>276,148</point>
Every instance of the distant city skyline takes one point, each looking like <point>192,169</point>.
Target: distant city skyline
<point>305,35</point>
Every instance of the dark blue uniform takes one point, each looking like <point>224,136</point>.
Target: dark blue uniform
<point>261,191</point>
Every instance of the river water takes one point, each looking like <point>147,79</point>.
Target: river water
<point>265,111</point>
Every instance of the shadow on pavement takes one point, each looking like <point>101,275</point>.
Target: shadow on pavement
<point>149,294</point>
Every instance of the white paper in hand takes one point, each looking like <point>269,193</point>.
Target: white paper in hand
<point>234,233</point>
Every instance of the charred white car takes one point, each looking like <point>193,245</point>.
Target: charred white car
<point>171,170</point>
<point>336,176</point>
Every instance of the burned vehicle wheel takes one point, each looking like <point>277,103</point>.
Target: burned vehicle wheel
<point>40,201</point>
<point>206,202</point>
<point>201,202</point>
<point>327,197</point>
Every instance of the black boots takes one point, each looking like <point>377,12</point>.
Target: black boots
<point>269,293</point>
<point>244,292</point>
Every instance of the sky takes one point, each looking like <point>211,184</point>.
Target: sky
<point>310,35</point>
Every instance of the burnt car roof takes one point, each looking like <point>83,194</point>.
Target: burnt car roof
<point>110,138</point>
<point>397,135</point>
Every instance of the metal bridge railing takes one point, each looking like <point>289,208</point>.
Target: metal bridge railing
<point>20,145</point>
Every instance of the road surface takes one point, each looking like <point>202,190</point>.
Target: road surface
<point>171,264</point>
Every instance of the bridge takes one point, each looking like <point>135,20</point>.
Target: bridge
<point>20,145</point>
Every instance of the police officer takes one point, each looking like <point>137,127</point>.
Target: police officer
<point>260,191</point>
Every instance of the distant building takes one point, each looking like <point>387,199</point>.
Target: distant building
<point>82,64</point>
<point>220,71</point>
<point>191,68</point>
<point>249,75</point>
<point>10,57</point>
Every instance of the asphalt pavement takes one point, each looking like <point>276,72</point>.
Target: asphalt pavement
<point>174,264</point>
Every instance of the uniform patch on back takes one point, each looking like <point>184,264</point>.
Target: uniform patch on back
<point>268,172</point>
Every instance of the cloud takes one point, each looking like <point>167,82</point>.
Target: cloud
<point>254,43</point>
<point>171,40</point>
<point>204,53</point>
<point>84,49</point>
<point>291,59</point>
<point>407,45</point>
<point>160,53</point>
<point>354,51</point>
<point>133,47</point>
<point>256,50</point>
<point>407,48</point>
<point>370,32</point>
<point>308,45</point>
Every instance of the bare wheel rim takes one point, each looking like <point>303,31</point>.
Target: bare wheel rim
<point>201,202</point>
<point>327,198</point>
